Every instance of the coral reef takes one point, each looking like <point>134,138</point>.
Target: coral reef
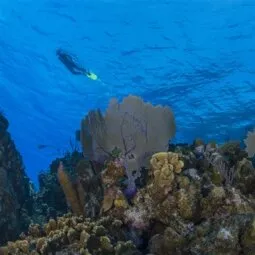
<point>179,211</point>
<point>192,199</point>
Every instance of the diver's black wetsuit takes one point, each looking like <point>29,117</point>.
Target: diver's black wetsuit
<point>69,62</point>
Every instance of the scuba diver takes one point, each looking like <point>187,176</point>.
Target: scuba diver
<point>71,64</point>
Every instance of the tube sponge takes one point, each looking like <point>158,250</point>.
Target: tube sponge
<point>69,191</point>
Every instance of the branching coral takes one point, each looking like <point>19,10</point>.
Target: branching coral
<point>76,235</point>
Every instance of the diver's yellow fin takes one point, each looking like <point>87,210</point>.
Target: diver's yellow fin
<point>92,76</point>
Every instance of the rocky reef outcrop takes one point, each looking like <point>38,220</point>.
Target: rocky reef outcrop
<point>16,191</point>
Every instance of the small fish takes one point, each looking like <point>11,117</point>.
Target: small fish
<point>42,146</point>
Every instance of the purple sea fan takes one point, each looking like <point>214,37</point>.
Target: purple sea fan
<point>136,128</point>
<point>250,143</point>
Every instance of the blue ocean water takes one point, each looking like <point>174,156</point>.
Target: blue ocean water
<point>198,57</point>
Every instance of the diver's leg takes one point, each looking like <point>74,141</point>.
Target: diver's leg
<point>73,71</point>
<point>73,68</point>
<point>80,70</point>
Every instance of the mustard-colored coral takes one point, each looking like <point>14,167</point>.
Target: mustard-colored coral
<point>84,237</point>
<point>79,235</point>
<point>184,204</point>
<point>41,243</point>
<point>18,246</point>
<point>164,167</point>
<point>34,230</point>
<point>120,200</point>
<point>50,226</point>
<point>105,243</point>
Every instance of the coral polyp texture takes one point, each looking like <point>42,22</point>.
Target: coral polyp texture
<point>73,235</point>
<point>128,192</point>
